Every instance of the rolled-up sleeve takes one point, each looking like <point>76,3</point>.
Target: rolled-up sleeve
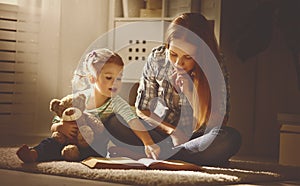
<point>122,108</point>
<point>148,87</point>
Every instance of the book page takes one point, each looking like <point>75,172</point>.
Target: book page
<point>143,163</point>
<point>118,162</point>
<point>148,161</point>
<point>169,164</point>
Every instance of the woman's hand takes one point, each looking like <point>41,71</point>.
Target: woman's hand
<point>178,137</point>
<point>152,151</point>
<point>68,128</point>
<point>182,81</point>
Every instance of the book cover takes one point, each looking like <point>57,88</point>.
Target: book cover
<point>143,163</point>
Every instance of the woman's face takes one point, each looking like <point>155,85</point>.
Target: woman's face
<point>182,55</point>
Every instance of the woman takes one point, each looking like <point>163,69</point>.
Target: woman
<point>183,96</point>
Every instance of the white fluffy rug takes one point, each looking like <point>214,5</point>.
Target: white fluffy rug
<point>210,175</point>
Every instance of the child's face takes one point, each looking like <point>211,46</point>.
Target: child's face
<point>108,82</point>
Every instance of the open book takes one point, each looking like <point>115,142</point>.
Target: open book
<point>143,163</point>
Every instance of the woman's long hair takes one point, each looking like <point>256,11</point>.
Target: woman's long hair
<point>181,28</point>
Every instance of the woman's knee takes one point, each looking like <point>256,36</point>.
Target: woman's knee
<point>233,139</point>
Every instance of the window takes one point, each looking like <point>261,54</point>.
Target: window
<point>18,69</point>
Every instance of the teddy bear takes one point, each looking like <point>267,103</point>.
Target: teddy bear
<point>71,108</point>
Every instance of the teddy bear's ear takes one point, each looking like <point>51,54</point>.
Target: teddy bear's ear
<point>54,105</point>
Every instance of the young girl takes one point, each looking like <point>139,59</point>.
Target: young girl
<point>103,68</point>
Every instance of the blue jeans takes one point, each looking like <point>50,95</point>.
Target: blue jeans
<point>50,150</point>
<point>212,148</point>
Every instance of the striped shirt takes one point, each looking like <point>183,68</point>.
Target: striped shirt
<point>116,105</point>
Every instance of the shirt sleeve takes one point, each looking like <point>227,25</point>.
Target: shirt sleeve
<point>148,87</point>
<point>121,107</point>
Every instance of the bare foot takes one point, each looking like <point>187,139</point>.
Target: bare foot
<point>26,154</point>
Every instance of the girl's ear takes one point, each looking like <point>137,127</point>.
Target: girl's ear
<point>92,79</point>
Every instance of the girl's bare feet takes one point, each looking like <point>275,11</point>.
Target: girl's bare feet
<point>26,154</point>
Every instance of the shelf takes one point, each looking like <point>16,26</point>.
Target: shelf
<point>131,9</point>
<point>142,19</point>
<point>138,19</point>
<point>131,31</point>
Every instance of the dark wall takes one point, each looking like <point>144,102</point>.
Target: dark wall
<point>263,75</point>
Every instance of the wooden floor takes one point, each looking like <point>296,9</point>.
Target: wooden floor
<point>281,183</point>
<point>17,178</point>
<point>294,182</point>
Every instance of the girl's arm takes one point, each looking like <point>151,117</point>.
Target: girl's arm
<point>123,108</point>
<point>55,127</point>
<point>151,149</point>
<point>68,128</point>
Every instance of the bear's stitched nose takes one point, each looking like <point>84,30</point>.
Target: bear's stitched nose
<point>70,112</point>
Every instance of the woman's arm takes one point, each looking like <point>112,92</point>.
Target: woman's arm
<point>184,84</point>
<point>156,121</point>
<point>177,135</point>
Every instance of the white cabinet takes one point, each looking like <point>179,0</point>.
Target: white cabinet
<point>134,40</point>
<point>139,25</point>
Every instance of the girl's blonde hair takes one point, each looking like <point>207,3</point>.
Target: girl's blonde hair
<point>96,59</point>
<point>198,25</point>
<point>92,66</point>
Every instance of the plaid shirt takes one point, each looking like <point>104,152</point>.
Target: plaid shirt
<point>155,84</point>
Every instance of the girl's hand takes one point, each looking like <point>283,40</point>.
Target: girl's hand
<point>68,128</point>
<point>152,151</point>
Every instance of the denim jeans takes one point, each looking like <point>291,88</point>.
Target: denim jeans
<point>214,147</point>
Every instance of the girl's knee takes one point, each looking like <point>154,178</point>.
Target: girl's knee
<point>115,121</point>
